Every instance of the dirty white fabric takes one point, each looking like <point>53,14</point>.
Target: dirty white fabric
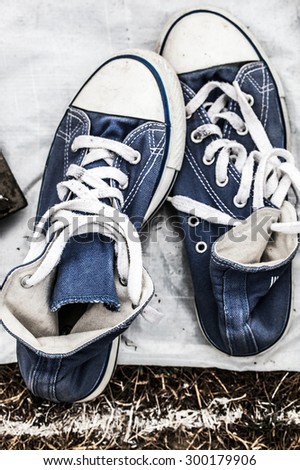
<point>47,51</point>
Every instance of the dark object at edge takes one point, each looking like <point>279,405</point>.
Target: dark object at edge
<point>11,197</point>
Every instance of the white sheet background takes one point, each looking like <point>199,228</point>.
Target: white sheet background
<point>47,50</point>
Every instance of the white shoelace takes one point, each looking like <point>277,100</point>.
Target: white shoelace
<point>85,213</point>
<point>273,169</point>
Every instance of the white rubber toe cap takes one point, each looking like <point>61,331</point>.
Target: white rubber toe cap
<point>118,88</point>
<point>203,39</point>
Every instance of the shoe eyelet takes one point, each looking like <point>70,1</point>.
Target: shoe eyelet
<point>221,184</point>
<point>193,221</point>
<point>208,162</point>
<point>196,137</point>
<point>23,281</point>
<point>243,131</point>
<point>137,158</point>
<point>201,247</point>
<point>250,100</point>
<point>238,204</point>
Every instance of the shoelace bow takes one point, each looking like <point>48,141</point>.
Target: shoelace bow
<point>273,169</point>
<point>86,213</point>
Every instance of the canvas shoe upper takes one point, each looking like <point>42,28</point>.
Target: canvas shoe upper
<point>112,162</point>
<point>231,194</point>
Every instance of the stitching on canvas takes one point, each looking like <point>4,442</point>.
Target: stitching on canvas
<point>201,177</point>
<point>156,152</point>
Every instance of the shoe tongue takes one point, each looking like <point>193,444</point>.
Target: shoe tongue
<point>195,80</point>
<point>85,273</point>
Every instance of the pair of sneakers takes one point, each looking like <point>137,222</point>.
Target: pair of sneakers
<point>202,121</point>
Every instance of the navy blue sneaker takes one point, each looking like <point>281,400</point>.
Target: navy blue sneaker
<point>231,194</point>
<point>111,165</point>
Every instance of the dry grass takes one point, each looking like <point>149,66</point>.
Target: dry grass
<point>265,406</point>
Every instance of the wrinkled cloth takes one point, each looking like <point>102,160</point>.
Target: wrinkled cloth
<point>47,52</point>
